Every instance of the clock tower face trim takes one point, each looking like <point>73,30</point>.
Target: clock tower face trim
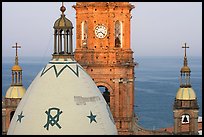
<point>100,31</point>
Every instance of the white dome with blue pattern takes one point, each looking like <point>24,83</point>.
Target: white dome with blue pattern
<point>62,99</point>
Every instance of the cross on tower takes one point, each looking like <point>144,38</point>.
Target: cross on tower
<point>16,46</point>
<point>185,48</point>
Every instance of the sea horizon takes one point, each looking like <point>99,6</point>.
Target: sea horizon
<point>156,84</point>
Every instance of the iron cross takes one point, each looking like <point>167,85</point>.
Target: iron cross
<point>185,48</point>
<point>16,46</point>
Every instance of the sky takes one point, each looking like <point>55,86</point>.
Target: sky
<point>157,28</point>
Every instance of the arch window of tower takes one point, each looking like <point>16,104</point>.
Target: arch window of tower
<point>19,77</point>
<point>118,34</point>
<point>84,28</point>
<point>62,34</point>
<point>185,118</point>
<point>106,93</point>
<point>16,76</point>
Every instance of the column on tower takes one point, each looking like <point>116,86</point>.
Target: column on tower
<point>55,42</point>
<point>70,41</point>
<point>12,82</point>
<point>65,42</point>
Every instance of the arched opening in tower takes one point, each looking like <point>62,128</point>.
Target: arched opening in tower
<point>106,93</point>
<point>11,114</point>
<point>185,126</point>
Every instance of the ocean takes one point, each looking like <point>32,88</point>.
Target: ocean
<point>156,84</point>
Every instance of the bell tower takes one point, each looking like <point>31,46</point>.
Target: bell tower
<point>185,107</point>
<point>13,95</point>
<point>103,49</point>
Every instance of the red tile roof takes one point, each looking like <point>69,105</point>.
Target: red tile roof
<point>184,126</point>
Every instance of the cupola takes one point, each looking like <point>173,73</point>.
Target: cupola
<point>16,90</point>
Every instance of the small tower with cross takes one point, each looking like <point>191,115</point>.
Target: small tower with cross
<point>185,107</point>
<point>14,93</point>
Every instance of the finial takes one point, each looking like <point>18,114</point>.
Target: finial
<point>185,58</point>
<point>185,48</point>
<point>16,58</point>
<point>62,9</point>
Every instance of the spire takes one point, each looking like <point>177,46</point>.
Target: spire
<point>185,57</point>
<point>62,9</point>
<point>185,71</point>
<point>16,89</point>
<point>16,69</point>
<point>16,58</point>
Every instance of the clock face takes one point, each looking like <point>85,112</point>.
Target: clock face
<point>100,31</point>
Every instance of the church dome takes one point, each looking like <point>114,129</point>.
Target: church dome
<point>62,99</point>
<point>185,94</point>
<point>63,23</point>
<point>185,69</point>
<point>15,92</point>
<point>16,68</point>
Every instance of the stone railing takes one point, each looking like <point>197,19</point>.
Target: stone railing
<point>186,104</point>
<point>10,102</point>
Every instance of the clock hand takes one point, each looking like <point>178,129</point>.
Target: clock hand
<point>102,33</point>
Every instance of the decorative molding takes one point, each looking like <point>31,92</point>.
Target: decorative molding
<point>57,73</point>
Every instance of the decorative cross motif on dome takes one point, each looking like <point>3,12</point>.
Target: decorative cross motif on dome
<point>52,120</point>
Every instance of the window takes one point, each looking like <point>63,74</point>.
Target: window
<point>84,33</point>
<point>118,34</point>
<point>185,118</point>
<point>106,93</point>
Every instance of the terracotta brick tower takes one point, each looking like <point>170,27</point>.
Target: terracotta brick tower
<point>103,49</point>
